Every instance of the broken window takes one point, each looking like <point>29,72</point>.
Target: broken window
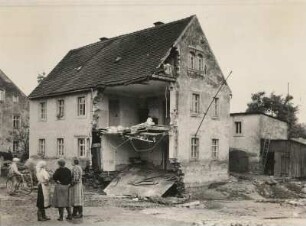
<point>16,122</point>
<point>60,108</point>
<point>60,147</point>
<point>191,60</point>
<point>81,106</point>
<point>215,148</point>
<point>43,110</point>
<point>238,127</point>
<point>216,108</point>
<point>194,147</point>
<point>195,103</point>
<point>41,147</point>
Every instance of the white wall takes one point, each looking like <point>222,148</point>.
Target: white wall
<point>70,127</point>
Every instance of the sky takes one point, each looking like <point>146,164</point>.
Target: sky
<point>262,41</point>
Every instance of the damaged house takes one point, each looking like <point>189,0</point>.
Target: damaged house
<point>135,98</point>
<point>14,113</point>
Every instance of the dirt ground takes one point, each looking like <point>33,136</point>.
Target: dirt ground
<point>236,203</point>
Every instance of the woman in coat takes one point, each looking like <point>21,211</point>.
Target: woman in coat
<point>61,200</point>
<point>43,195</point>
<point>76,189</point>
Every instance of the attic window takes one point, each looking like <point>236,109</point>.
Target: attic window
<point>118,59</point>
<point>78,68</point>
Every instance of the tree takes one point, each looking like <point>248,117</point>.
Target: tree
<point>22,136</point>
<point>41,77</point>
<point>280,107</point>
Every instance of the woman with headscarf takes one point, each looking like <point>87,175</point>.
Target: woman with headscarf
<point>43,195</point>
<point>61,200</point>
<point>76,190</point>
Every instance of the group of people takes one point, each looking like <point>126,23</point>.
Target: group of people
<point>68,191</point>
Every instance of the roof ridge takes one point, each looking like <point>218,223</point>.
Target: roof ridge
<point>134,32</point>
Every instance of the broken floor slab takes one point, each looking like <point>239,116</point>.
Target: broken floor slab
<point>141,182</point>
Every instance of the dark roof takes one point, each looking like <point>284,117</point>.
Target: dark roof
<point>124,59</point>
<point>8,85</point>
<point>255,113</point>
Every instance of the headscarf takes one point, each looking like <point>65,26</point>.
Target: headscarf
<point>16,159</point>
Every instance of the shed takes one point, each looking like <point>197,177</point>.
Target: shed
<point>289,158</point>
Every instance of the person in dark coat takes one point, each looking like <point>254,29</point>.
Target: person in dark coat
<point>61,200</point>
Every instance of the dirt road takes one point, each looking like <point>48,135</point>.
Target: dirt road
<point>103,210</point>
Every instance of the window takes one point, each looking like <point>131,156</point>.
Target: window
<point>43,110</point>
<point>16,122</point>
<point>194,147</point>
<point>215,148</point>
<point>200,63</point>
<point>15,98</point>
<point>41,147</point>
<point>195,103</point>
<point>191,61</point>
<point>2,95</point>
<point>15,146</point>
<point>238,127</point>
<point>81,147</point>
<point>81,106</point>
<point>60,147</point>
<point>216,108</point>
<point>60,108</point>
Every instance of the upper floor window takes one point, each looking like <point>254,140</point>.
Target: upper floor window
<point>195,103</point>
<point>194,147</point>
<point>216,108</point>
<point>81,106</point>
<point>191,60</point>
<point>60,147</point>
<point>238,128</point>
<point>16,121</point>
<point>2,95</point>
<point>200,62</point>
<point>41,147</point>
<point>60,108</point>
<point>215,149</point>
<point>15,98</point>
<point>43,110</point>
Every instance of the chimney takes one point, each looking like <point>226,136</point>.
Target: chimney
<point>158,23</point>
<point>103,39</point>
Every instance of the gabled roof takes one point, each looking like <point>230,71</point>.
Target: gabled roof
<point>8,85</point>
<point>120,60</point>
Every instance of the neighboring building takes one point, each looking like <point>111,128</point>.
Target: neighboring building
<point>288,158</point>
<point>248,133</point>
<point>14,113</point>
<point>167,72</point>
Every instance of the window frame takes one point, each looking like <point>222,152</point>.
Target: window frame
<point>194,148</point>
<point>195,110</point>
<point>191,60</point>
<point>79,108</point>
<point>60,147</point>
<point>41,143</point>
<point>81,145</point>
<point>200,60</point>
<point>60,108</point>
<point>16,122</point>
<point>238,128</point>
<point>15,148</point>
<point>216,108</point>
<point>41,113</point>
<point>215,146</point>
<point>2,95</point>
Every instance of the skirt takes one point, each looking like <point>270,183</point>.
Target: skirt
<point>43,197</point>
<point>77,194</point>
<point>61,196</point>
